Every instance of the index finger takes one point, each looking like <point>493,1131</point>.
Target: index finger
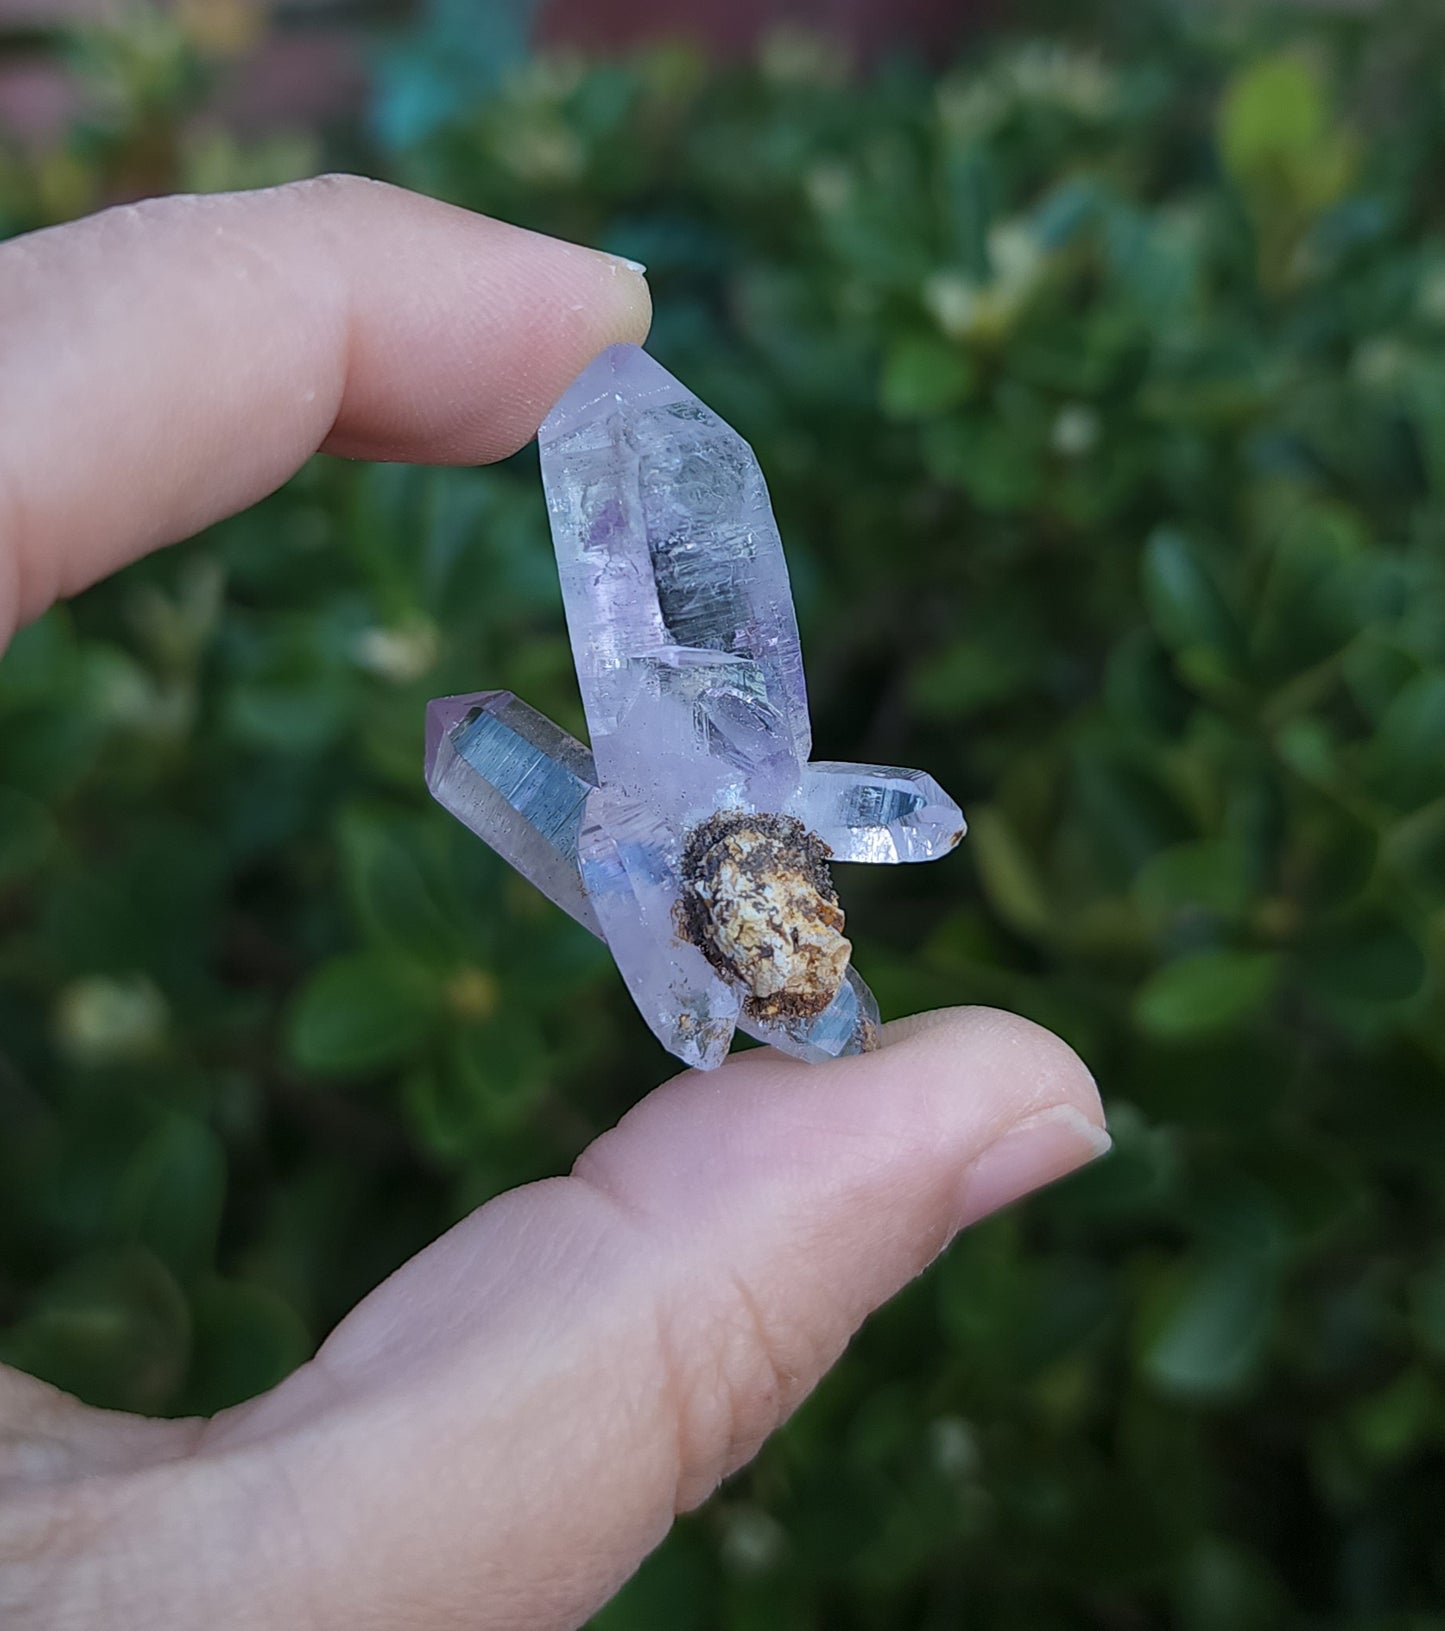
<point>164,364</point>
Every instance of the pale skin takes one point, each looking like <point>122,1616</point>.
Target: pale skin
<point>500,1433</point>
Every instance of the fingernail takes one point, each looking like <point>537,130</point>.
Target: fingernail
<point>1032,1153</point>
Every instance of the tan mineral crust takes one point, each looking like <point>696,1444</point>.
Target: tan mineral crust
<point>760,904</point>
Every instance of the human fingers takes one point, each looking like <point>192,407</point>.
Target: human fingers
<point>166,363</point>
<point>500,1433</point>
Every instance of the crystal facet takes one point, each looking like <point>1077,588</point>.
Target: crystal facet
<point>878,812</point>
<point>520,783</point>
<point>692,835</point>
<point>676,592</point>
<point>630,867</point>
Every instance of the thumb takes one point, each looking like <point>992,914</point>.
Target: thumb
<point>500,1433</point>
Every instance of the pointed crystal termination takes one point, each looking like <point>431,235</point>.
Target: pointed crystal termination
<point>849,1024</point>
<point>676,592</point>
<point>878,813</point>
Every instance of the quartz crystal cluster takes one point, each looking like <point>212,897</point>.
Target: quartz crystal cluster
<point>695,835</point>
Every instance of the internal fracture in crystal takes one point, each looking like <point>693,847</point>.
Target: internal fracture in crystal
<point>694,836</point>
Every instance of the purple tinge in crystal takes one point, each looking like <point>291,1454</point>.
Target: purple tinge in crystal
<point>686,646</point>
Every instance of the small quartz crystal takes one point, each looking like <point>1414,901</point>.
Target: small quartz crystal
<point>695,835</point>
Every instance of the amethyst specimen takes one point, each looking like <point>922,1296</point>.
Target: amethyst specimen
<point>693,836</point>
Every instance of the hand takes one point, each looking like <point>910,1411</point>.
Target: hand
<point>500,1433</point>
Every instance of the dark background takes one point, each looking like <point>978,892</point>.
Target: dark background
<point>1097,364</point>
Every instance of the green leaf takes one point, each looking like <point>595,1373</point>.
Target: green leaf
<point>441,1117</point>
<point>246,1339</point>
<point>39,662</point>
<point>1008,872</point>
<point>1368,958</point>
<point>1221,1586</point>
<point>27,835</point>
<point>1416,847</point>
<point>112,1328</point>
<point>1308,746</point>
<point>289,716</point>
<point>1376,670</point>
<point>1427,1305</point>
<point>999,466</point>
<point>500,1066</point>
<point>1425,394</point>
<point>1406,760</point>
<point>670,1592</point>
<point>360,1013</point>
<point>1278,139</point>
<point>172,1193</point>
<point>1274,114</point>
<point>1334,857</point>
<point>1322,585</point>
<point>1185,603</point>
<point>1206,993</point>
<point>1141,688</point>
<point>48,751</point>
<point>1211,875</point>
<point>1401,1419</point>
<point>1158,269</point>
<point>394,899</point>
<point>1207,1325</point>
<point>924,375</point>
<point>484,1081</point>
<point>1126,805</point>
<point>966,678</point>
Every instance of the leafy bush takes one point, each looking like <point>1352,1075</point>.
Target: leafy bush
<point>1102,398</point>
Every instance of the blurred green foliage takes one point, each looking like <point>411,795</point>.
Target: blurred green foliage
<point>1102,396</point>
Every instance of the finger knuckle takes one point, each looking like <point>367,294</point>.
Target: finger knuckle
<point>734,1373</point>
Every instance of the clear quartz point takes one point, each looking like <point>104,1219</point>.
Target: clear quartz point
<point>878,812</point>
<point>686,645</point>
<point>849,1024</point>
